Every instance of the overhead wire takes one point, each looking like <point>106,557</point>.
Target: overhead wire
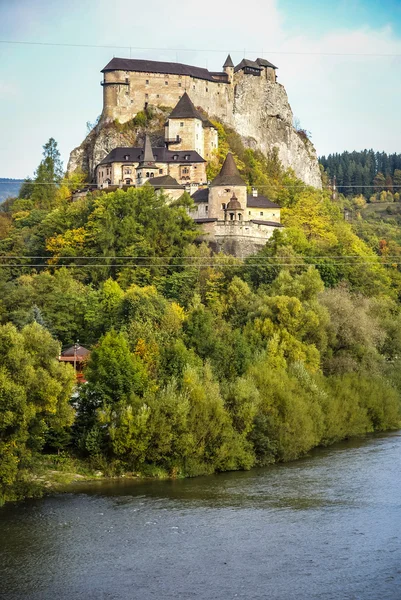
<point>219,51</point>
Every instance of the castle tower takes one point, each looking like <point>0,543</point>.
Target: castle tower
<point>227,184</point>
<point>184,127</point>
<point>228,68</point>
<point>147,166</point>
<point>233,210</point>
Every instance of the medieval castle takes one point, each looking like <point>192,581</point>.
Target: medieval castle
<point>130,85</point>
<point>246,97</point>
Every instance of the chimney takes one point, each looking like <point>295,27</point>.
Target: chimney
<point>254,192</point>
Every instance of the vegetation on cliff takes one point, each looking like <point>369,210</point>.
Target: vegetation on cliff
<point>199,363</point>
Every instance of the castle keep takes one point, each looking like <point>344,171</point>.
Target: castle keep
<point>129,85</point>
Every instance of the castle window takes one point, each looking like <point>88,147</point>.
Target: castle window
<point>223,206</point>
<point>181,124</point>
<point>249,212</point>
<point>207,89</point>
<point>186,157</point>
<point>152,174</point>
<point>206,208</point>
<point>161,171</point>
<point>175,157</point>
<point>194,87</point>
<point>147,174</point>
<point>147,96</point>
<point>179,84</point>
<point>261,214</point>
<point>227,190</point>
<point>231,216</point>
<point>157,96</point>
<point>239,217</point>
<point>147,82</point>
<point>126,80</point>
<point>128,181</point>
<point>166,83</point>
<point>126,157</point>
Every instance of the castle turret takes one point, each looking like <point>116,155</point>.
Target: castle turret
<point>233,210</point>
<point>147,165</point>
<point>227,186</point>
<point>228,68</point>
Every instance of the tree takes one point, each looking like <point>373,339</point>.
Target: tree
<point>35,390</point>
<point>47,176</point>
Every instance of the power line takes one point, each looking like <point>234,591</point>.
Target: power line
<point>267,258</point>
<point>264,186</point>
<point>216,51</point>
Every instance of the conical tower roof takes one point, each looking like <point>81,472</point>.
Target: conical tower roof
<point>185,109</point>
<point>148,156</point>
<point>228,63</point>
<point>229,174</point>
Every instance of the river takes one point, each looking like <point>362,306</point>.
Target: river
<point>324,527</point>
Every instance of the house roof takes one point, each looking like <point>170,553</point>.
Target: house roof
<point>229,174</point>
<point>153,66</point>
<point>245,62</point>
<point>229,62</point>
<point>161,155</point>
<point>201,195</point>
<point>165,181</point>
<point>185,109</point>
<point>79,351</point>
<point>269,223</point>
<point>260,202</point>
<point>206,220</point>
<point>265,63</point>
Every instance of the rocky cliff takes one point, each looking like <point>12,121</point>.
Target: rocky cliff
<point>263,117</point>
<point>260,113</point>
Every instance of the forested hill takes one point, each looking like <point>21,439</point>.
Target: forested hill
<point>199,362</point>
<point>365,172</point>
<point>9,188</point>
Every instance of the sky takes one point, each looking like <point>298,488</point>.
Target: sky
<point>347,102</point>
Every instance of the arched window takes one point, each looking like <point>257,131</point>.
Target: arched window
<point>152,174</point>
<point>232,216</point>
<point>147,174</point>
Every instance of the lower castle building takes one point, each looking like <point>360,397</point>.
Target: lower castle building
<point>232,220</point>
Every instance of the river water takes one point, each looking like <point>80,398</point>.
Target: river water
<point>325,527</point>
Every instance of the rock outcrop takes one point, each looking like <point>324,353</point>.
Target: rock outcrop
<point>263,117</point>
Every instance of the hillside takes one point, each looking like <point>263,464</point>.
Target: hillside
<point>9,188</point>
<point>200,363</point>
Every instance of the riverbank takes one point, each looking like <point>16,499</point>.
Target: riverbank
<point>59,473</point>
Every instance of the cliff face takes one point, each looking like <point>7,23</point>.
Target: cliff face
<point>259,111</point>
<point>263,117</point>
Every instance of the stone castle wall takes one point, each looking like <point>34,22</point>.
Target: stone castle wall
<point>238,238</point>
<point>130,91</point>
